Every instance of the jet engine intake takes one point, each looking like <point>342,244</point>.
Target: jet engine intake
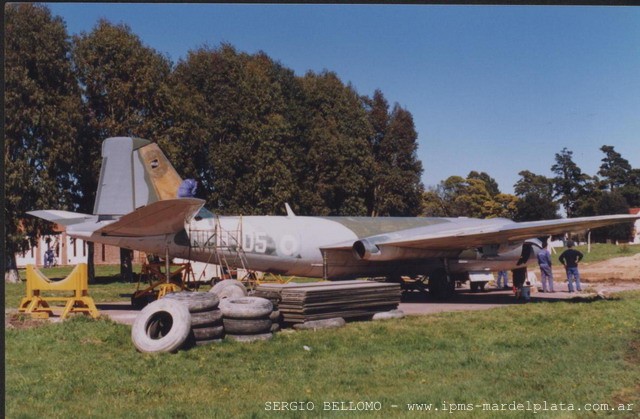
<point>365,250</point>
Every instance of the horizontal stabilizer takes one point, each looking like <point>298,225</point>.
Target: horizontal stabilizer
<point>65,218</point>
<point>161,217</point>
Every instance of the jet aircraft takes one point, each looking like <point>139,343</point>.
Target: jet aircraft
<point>137,208</point>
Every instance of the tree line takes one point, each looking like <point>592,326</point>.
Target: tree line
<point>251,132</point>
<point>613,190</point>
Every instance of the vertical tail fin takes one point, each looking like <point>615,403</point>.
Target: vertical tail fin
<point>135,173</point>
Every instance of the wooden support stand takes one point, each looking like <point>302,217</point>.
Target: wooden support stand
<point>37,305</point>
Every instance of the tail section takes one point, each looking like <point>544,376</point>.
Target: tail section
<point>135,173</point>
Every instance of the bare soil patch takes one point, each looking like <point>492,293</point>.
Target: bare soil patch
<point>622,269</point>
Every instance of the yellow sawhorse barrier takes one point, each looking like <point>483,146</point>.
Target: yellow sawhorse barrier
<point>37,304</point>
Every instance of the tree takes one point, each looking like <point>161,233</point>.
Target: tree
<point>433,205</point>
<point>42,105</point>
<point>242,113</point>
<point>612,203</point>
<point>489,182</point>
<point>396,188</point>
<point>125,92</point>
<point>614,169</point>
<point>569,183</point>
<point>536,198</point>
<point>339,162</point>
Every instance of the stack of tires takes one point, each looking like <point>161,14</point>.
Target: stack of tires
<point>247,319</point>
<point>178,320</point>
<point>206,317</point>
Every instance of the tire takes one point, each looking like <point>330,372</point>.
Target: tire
<point>229,288</point>
<point>207,333</point>
<point>275,316</point>
<point>246,327</point>
<point>206,318</point>
<point>441,287</point>
<point>250,338</point>
<point>162,326</point>
<point>246,308</point>
<point>320,324</point>
<point>196,302</point>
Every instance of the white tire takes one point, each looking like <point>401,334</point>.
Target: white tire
<point>162,326</point>
<point>229,288</point>
<point>246,308</point>
<point>206,318</point>
<point>207,333</point>
<point>246,326</point>
<point>196,301</point>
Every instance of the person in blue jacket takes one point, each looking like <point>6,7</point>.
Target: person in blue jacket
<point>187,188</point>
<point>570,258</point>
<point>544,261</point>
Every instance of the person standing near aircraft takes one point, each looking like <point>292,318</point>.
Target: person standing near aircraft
<point>570,258</point>
<point>503,278</point>
<point>544,261</point>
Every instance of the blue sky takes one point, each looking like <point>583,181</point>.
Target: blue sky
<point>498,89</point>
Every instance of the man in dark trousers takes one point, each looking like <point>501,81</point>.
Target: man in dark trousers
<point>570,258</point>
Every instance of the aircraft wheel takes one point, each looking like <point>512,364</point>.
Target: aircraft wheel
<point>229,288</point>
<point>440,285</point>
<point>162,326</point>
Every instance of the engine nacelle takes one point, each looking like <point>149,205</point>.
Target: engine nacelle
<point>365,250</point>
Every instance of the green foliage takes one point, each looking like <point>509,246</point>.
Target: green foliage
<point>124,93</point>
<point>570,184</point>
<point>42,105</point>
<point>612,203</point>
<point>536,198</point>
<point>396,188</point>
<point>614,169</point>
<point>459,197</point>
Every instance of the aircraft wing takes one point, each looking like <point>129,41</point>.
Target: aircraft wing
<point>161,217</point>
<point>462,237</point>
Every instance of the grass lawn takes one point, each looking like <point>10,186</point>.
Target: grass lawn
<point>570,353</point>
<point>600,251</point>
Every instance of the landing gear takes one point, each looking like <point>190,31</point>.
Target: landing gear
<point>441,285</point>
<point>477,286</point>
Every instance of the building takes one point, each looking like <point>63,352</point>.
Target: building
<point>69,251</point>
<point>636,229</point>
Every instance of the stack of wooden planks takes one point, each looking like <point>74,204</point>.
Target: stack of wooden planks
<point>324,300</point>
